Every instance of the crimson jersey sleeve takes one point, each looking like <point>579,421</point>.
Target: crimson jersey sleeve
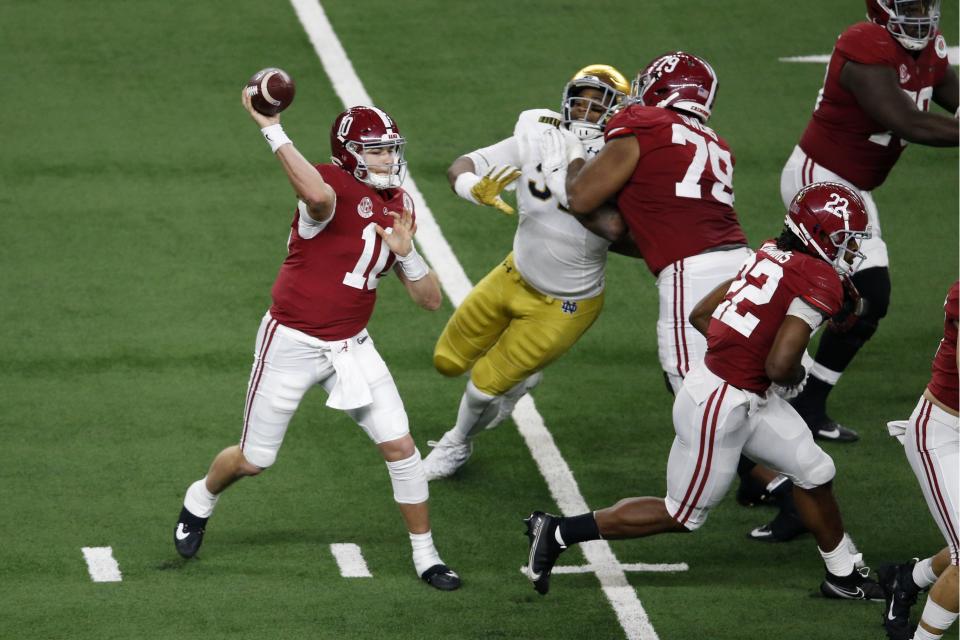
<point>819,285</point>
<point>867,43</point>
<point>636,118</point>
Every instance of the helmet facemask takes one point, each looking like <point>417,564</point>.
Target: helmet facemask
<point>912,22</point>
<point>601,79</point>
<point>389,174</point>
<point>833,247</point>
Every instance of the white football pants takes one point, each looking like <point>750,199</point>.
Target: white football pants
<point>681,286</point>
<point>714,422</point>
<point>932,446</point>
<point>288,362</point>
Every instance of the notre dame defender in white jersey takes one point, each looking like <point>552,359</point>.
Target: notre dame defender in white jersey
<point>533,306</point>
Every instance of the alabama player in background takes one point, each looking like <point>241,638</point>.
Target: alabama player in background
<point>529,310</point>
<point>931,442</point>
<point>875,97</point>
<point>757,326</point>
<point>672,178</point>
<point>346,233</point>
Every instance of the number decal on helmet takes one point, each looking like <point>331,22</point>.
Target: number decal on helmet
<point>837,205</point>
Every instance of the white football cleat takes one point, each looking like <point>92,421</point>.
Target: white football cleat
<point>447,456</point>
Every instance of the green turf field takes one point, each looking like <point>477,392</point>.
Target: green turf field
<point>143,221</point>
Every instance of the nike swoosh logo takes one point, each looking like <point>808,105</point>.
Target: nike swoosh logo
<point>833,433</point>
<point>890,615</point>
<point>533,548</point>
<point>362,339</point>
<point>181,534</point>
<point>858,594</point>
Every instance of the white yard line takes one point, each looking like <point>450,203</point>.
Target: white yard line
<point>350,560</point>
<point>953,55</point>
<point>101,564</point>
<point>628,567</point>
<point>457,285</point>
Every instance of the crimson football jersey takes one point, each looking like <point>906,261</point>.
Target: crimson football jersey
<point>327,285</point>
<point>944,383</point>
<point>840,135</point>
<point>746,322</point>
<point>679,200</point>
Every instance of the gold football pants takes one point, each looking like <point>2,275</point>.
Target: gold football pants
<point>506,330</point>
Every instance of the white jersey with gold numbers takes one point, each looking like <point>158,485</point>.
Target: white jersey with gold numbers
<point>553,252</point>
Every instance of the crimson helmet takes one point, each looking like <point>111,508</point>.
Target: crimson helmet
<point>602,77</point>
<point>678,80</point>
<point>361,129</point>
<point>912,22</point>
<point>826,216</point>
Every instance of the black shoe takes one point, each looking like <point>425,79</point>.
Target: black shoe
<point>856,586</point>
<point>900,594</point>
<point>188,535</point>
<point>442,577</point>
<point>544,549</point>
<point>783,528</point>
<point>751,493</point>
<point>831,431</point>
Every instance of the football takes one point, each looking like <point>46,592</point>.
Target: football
<point>271,90</point>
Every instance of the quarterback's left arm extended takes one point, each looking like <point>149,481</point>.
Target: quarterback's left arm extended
<point>603,176</point>
<point>701,314</point>
<point>947,93</point>
<point>420,281</point>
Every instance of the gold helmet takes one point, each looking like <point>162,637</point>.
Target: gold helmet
<point>611,84</point>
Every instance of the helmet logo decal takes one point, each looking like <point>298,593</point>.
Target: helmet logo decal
<point>344,127</point>
<point>365,207</point>
<point>837,205</point>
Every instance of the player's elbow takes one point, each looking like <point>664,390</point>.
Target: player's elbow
<point>578,202</point>
<point>432,302</point>
<point>780,369</point>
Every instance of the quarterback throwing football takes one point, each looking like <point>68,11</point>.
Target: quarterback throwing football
<point>347,232</point>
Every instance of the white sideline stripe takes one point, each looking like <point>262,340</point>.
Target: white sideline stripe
<point>953,56</point>
<point>101,564</point>
<point>457,285</point>
<point>634,566</point>
<point>350,560</point>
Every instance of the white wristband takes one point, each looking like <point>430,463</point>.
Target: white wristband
<point>275,136</point>
<point>413,265</point>
<point>464,183</point>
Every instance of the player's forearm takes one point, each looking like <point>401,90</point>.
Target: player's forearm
<point>932,129</point>
<point>307,182</point>
<point>463,164</point>
<point>426,292</point>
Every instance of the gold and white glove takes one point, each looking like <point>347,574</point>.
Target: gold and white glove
<point>488,189</point>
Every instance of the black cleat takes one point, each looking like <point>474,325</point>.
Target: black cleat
<point>900,594</point>
<point>831,431</point>
<point>188,535</point>
<point>544,549</point>
<point>751,493</point>
<point>783,528</point>
<point>856,586</point>
<point>441,577</point>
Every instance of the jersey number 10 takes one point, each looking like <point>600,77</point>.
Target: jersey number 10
<point>371,240</point>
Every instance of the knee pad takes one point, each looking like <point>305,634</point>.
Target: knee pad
<point>408,479</point>
<point>261,457</point>
<point>447,364</point>
<point>874,287</point>
<point>818,467</point>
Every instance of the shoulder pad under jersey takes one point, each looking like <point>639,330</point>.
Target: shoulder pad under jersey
<point>530,124</point>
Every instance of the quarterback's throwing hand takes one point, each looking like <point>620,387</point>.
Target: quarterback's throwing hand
<point>399,238</point>
<point>261,120</point>
<point>487,191</point>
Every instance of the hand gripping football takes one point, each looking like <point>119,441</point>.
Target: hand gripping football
<point>271,90</point>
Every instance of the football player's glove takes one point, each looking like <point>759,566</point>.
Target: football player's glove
<point>558,148</point>
<point>854,306</point>
<point>487,191</point>
<point>791,392</point>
